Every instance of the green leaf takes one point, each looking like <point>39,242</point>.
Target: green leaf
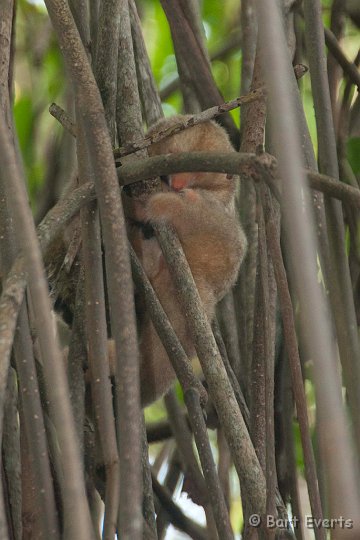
<point>353,153</point>
<point>23,114</point>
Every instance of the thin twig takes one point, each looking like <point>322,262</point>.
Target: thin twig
<point>349,68</point>
<point>148,497</point>
<point>199,118</point>
<point>11,462</point>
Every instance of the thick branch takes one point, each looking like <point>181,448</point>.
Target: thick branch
<point>121,296</point>
<point>340,286</point>
<point>300,244</point>
<point>55,377</point>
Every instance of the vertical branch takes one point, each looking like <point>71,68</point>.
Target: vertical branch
<point>6,36</point>
<point>194,68</point>
<point>257,374</point>
<point>150,99</point>
<point>6,17</point>
<point>128,112</point>
<point>183,438</point>
<point>106,59</point>
<point>301,246</point>
<point>172,477</point>
<point>248,46</point>
<point>224,466</point>
<point>294,360</point>
<point>129,127</point>
<point>80,12</point>
<point>269,314</point>
<point>74,495</point>
<point>229,330</point>
<point>230,373</point>
<point>286,403</point>
<point>34,429</point>
<point>98,363</point>
<point>216,495</point>
<point>76,360</point>
<point>128,109</point>
<point>148,499</point>
<point>337,25</point>
<point>253,128</point>
<point>340,281</point>
<point>96,337</point>
<point>11,461</point>
<point>94,8</point>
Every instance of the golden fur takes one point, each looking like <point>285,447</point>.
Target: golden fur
<point>203,216</point>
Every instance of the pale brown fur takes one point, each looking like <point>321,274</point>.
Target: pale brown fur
<point>203,216</point>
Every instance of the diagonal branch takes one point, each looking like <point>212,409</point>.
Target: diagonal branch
<point>220,388</point>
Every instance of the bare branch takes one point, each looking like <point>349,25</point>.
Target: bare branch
<point>195,119</point>
<point>300,244</point>
<point>208,466</point>
<point>294,359</point>
<point>106,59</point>
<point>220,389</point>
<point>149,94</point>
<point>176,516</point>
<point>349,68</point>
<point>74,489</point>
<point>63,118</point>
<point>181,363</point>
<point>340,286</point>
<point>120,286</point>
